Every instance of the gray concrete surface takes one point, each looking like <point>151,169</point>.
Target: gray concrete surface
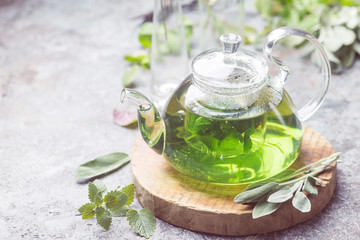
<point>60,76</point>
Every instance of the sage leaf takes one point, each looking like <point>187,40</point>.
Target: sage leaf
<point>317,179</point>
<point>301,202</point>
<point>254,194</point>
<point>130,75</point>
<point>143,222</point>
<point>263,208</point>
<point>310,186</point>
<point>101,165</point>
<point>281,195</point>
<point>105,220</point>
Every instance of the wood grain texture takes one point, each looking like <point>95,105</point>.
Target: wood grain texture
<point>205,207</point>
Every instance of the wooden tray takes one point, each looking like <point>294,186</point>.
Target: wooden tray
<point>210,208</point>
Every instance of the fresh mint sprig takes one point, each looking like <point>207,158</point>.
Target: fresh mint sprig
<point>104,206</point>
<point>271,193</point>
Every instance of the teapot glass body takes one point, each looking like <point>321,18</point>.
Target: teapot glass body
<point>230,122</point>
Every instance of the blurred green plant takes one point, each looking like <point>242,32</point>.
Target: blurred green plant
<point>140,59</point>
<point>336,24</point>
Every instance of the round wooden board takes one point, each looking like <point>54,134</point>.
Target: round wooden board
<point>210,208</point>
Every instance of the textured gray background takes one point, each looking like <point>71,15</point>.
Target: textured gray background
<point>60,77</point>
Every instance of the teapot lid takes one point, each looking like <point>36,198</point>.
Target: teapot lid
<point>229,70</point>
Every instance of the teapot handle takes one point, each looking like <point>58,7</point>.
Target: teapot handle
<point>313,105</point>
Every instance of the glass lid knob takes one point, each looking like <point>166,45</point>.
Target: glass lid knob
<point>230,42</point>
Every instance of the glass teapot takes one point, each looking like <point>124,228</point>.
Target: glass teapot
<point>230,121</point>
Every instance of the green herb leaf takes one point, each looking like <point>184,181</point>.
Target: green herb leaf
<point>119,209</point>
<point>130,192</point>
<point>98,199</point>
<point>247,140</point>
<point>99,211</point>
<point>142,222</point>
<point>345,35</point>
<point>100,185</point>
<point>119,212</point>
<point>93,190</point>
<point>255,194</point>
<point>88,212</point>
<point>101,165</point>
<point>139,58</point>
<point>83,207</point>
<point>281,195</point>
<point>105,220</point>
<point>263,208</point>
<point>145,34</point>
<point>316,179</point>
<point>310,186</point>
<point>357,46</point>
<point>111,199</point>
<point>301,202</point>
<point>130,75</point>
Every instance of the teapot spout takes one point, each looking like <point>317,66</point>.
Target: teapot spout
<point>151,124</point>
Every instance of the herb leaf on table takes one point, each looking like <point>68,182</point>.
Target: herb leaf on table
<point>101,165</point>
<point>271,193</point>
<point>114,204</point>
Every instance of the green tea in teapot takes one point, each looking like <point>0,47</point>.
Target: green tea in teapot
<point>231,151</point>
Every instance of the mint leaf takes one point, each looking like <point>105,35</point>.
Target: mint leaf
<point>101,165</point>
<point>247,140</point>
<point>130,192</point>
<point>93,190</point>
<point>142,222</point>
<point>105,220</point>
<point>82,208</point>
<point>118,212</point>
<point>145,34</point>
<point>100,185</point>
<point>119,209</point>
<point>111,199</point>
<point>99,211</point>
<point>98,200</point>
<point>88,212</point>
<point>142,60</point>
<point>123,199</point>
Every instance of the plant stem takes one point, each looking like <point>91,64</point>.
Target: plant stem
<point>313,173</point>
